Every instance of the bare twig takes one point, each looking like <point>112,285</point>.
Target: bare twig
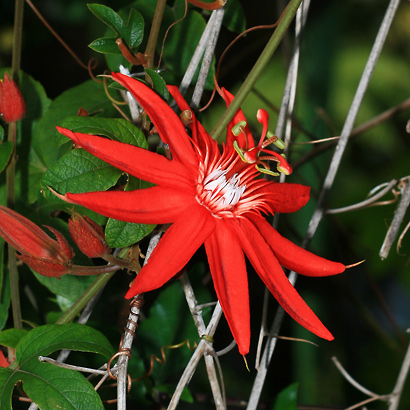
<point>285,116</point>
<point>199,51</point>
<point>203,347</point>
<point>333,168</point>
<point>398,388</point>
<point>120,369</point>
<point>200,325</point>
<point>207,60</point>
<point>367,202</point>
<point>397,220</point>
<point>71,367</point>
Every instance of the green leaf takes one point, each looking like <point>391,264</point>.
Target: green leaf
<point>120,234</point>
<point>105,45</point>
<point>49,386</point>
<point>108,16</point>
<point>79,171</point>
<point>234,17</point>
<point>116,129</point>
<point>11,337</point>
<point>132,33</point>
<point>1,133</point>
<point>44,340</point>
<point>134,30</point>
<point>68,287</point>
<point>287,398</point>
<point>158,83</point>
<point>6,149</point>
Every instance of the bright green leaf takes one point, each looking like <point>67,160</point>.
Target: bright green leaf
<point>6,149</point>
<point>11,337</point>
<point>105,45</point>
<point>120,234</point>
<point>78,171</point>
<point>114,128</point>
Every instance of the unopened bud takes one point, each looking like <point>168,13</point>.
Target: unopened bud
<point>12,106</point>
<point>88,236</point>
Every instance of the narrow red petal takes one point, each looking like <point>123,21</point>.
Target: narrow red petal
<point>228,269</point>
<point>174,250</point>
<point>269,270</point>
<point>294,257</point>
<point>199,135</point>
<point>286,198</point>
<point>156,205</point>
<point>138,162</point>
<point>243,142</point>
<point>168,124</point>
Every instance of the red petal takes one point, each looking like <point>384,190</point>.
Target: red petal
<point>269,270</point>
<point>168,124</point>
<point>228,270</point>
<point>294,257</point>
<point>243,142</point>
<point>136,161</point>
<point>156,205</point>
<point>286,198</point>
<point>174,250</point>
<point>199,135</point>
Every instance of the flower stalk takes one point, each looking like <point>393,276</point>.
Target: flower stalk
<point>285,20</point>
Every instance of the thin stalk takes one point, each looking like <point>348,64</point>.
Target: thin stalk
<point>70,314</point>
<point>258,68</point>
<point>153,35</point>
<point>11,169</point>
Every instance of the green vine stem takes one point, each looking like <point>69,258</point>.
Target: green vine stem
<point>70,314</point>
<point>273,43</point>
<point>11,169</point>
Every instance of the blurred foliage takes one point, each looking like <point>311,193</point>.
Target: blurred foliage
<point>366,308</point>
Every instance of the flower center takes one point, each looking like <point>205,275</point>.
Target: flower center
<point>218,194</point>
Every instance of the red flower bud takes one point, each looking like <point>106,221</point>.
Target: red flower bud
<point>42,253</point>
<point>12,106</point>
<point>88,236</point>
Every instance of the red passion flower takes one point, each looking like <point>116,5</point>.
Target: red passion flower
<point>212,198</point>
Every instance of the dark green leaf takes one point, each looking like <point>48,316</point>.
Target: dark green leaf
<point>44,340</point>
<point>6,149</point>
<point>5,297</point>
<point>287,398</point>
<point>105,45</point>
<point>234,17</point>
<point>113,128</point>
<point>49,386</point>
<point>78,171</point>
<point>1,133</point>
<point>158,83</point>
<point>108,16</point>
<point>134,30</point>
